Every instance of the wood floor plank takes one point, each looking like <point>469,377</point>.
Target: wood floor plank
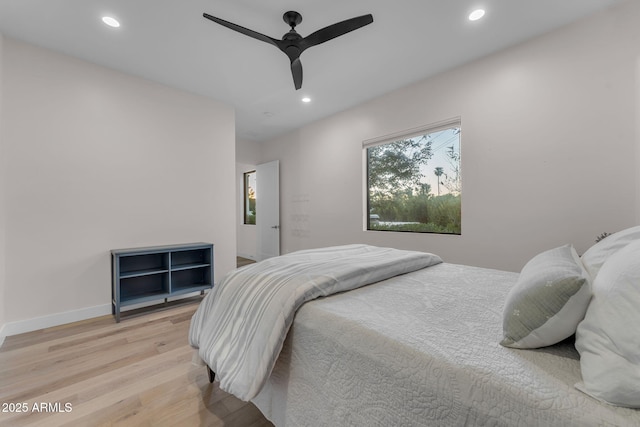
<point>134,373</point>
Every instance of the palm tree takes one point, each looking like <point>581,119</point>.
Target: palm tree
<point>438,171</point>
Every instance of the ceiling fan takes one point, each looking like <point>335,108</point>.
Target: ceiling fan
<point>292,43</point>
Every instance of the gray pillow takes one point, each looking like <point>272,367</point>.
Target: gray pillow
<point>548,301</point>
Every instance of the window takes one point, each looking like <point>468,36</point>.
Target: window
<point>250,197</point>
<point>413,181</point>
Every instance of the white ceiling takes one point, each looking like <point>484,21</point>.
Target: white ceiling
<point>169,41</point>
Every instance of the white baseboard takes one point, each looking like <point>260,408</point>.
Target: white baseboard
<point>28,325</point>
<point>56,319</point>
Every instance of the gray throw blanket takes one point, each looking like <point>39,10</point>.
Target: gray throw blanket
<point>241,325</point>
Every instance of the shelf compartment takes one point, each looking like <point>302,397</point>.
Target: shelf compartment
<point>190,258</point>
<point>133,264</point>
<point>190,278</point>
<point>134,288</point>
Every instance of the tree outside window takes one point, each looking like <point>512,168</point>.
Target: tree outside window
<point>414,182</point>
<point>250,197</point>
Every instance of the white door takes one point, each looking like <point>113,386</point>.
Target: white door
<point>268,209</point>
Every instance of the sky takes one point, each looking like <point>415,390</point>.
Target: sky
<point>440,143</point>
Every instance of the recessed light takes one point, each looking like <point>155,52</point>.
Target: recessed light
<point>476,14</point>
<point>110,21</point>
<point>306,99</point>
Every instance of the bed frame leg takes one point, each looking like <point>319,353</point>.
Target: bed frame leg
<point>212,375</point>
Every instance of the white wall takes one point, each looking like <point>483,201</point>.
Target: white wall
<point>638,140</point>
<point>549,146</point>
<point>248,156</point>
<point>98,160</point>
<point>2,208</point>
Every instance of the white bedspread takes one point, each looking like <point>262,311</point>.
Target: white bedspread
<point>240,327</point>
<point>422,350</point>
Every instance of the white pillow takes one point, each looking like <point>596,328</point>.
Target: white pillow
<point>608,338</point>
<point>597,254</point>
<point>548,300</point>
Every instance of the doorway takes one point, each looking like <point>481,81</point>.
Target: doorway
<point>268,210</point>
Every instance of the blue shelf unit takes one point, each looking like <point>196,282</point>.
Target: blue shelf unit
<point>141,275</point>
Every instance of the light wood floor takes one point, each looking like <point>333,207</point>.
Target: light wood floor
<point>241,262</point>
<point>134,373</point>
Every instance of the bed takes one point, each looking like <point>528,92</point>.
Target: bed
<point>420,348</point>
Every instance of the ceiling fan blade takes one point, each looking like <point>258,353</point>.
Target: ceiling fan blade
<point>335,30</point>
<point>243,30</point>
<point>296,71</point>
